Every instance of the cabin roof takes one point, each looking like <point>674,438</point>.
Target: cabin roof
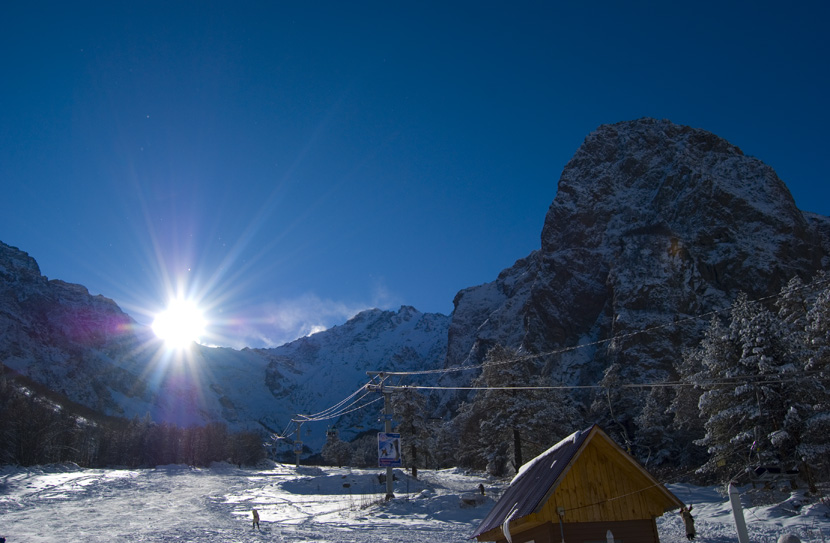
<point>530,488</point>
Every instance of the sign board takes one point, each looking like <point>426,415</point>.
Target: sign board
<point>389,450</point>
<point>298,447</point>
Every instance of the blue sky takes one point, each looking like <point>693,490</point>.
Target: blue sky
<point>291,163</point>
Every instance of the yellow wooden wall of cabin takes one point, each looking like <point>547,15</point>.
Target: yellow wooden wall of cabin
<point>603,485</point>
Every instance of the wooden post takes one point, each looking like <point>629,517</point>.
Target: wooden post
<point>517,449</point>
<point>414,451</point>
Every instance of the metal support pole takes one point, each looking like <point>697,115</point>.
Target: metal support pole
<point>387,409</point>
<point>738,513</point>
<point>298,445</point>
<point>387,426</point>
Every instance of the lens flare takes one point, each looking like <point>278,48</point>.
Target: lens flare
<point>180,325</point>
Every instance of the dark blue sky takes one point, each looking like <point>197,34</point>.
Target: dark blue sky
<point>292,163</point>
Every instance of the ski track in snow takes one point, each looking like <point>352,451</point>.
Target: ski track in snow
<point>181,504</point>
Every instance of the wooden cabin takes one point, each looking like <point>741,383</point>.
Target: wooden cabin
<point>582,487</point>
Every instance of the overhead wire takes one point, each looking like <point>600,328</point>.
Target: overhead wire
<point>341,408</point>
<point>814,285</point>
<point>339,404</point>
<point>728,381</point>
<point>334,414</point>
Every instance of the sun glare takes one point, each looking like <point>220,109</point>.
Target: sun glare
<point>181,324</point>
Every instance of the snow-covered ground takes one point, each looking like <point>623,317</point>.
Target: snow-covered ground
<point>177,503</point>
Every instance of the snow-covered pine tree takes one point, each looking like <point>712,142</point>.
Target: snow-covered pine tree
<point>770,344</point>
<point>750,376</point>
<point>457,442</point>
<point>814,448</point>
<point>687,420</point>
<point>793,303</point>
<point>656,440</point>
<point>729,404</point>
<point>335,451</point>
<point>535,416</point>
<point>614,406</point>
<point>409,409</point>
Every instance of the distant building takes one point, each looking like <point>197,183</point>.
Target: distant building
<point>583,486</point>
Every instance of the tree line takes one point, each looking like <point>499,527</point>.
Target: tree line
<point>754,392</point>
<point>36,428</point>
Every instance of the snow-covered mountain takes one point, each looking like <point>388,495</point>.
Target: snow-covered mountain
<point>86,348</point>
<point>653,224</point>
<point>61,336</point>
<point>316,372</point>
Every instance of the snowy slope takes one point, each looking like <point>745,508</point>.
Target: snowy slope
<point>315,372</point>
<point>54,504</point>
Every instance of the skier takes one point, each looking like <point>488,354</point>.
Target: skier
<point>686,513</point>
<point>256,518</point>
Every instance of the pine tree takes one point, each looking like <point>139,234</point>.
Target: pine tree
<point>409,409</point>
<point>684,407</point>
<point>614,406</point>
<point>729,404</point>
<point>656,442</point>
<point>507,426</point>
<point>753,405</point>
<point>814,448</point>
<point>335,451</point>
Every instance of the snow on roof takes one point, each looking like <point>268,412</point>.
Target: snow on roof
<point>529,488</point>
<point>570,440</point>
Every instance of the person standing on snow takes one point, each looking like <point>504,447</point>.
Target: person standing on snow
<point>688,521</point>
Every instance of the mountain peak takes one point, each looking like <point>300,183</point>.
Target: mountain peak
<point>651,220</point>
<point>16,264</point>
<point>650,172</point>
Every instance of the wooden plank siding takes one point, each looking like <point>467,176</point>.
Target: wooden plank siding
<point>599,486</point>
<point>602,486</point>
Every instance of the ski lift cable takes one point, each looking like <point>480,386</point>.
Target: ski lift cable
<point>332,412</point>
<point>335,410</point>
<point>285,433</point>
<point>340,414</point>
<point>329,414</point>
<point>347,406</point>
<point>358,408</point>
<point>338,404</point>
<point>815,285</point>
<point>711,383</point>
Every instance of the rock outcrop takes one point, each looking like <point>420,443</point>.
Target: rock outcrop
<point>653,224</point>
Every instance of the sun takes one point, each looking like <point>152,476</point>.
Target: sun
<point>180,325</point>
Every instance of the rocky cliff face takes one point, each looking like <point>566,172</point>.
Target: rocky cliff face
<point>652,223</point>
<point>61,336</point>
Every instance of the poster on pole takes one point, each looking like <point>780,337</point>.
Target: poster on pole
<point>389,450</point>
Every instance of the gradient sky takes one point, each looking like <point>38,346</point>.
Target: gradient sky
<point>291,163</point>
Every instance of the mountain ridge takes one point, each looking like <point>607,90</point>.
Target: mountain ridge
<point>653,225</point>
<point>85,348</point>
